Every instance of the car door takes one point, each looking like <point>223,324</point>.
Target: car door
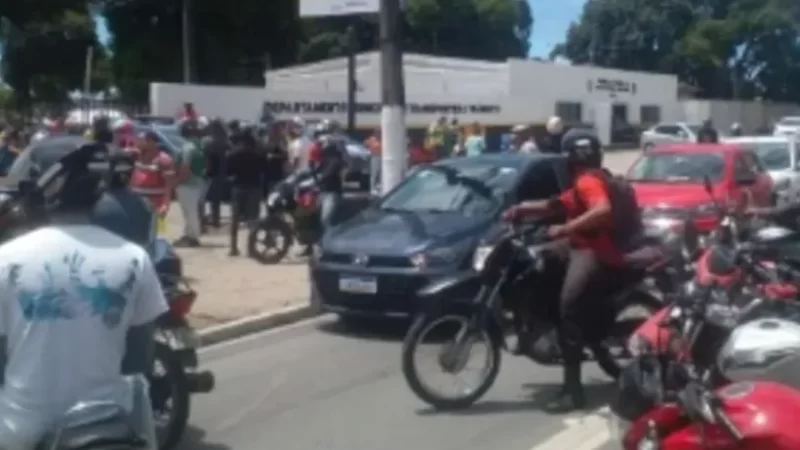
<point>753,183</point>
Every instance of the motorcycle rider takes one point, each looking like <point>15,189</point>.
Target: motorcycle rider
<point>327,160</point>
<point>72,313</point>
<point>596,257</point>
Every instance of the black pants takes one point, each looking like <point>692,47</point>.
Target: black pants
<point>584,307</point>
<point>245,206</point>
<point>216,190</point>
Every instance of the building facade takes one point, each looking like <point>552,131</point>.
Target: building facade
<point>497,95</point>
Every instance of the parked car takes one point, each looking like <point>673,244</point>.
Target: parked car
<point>427,227</point>
<point>778,155</point>
<point>668,133</point>
<point>788,125</point>
<point>669,183</point>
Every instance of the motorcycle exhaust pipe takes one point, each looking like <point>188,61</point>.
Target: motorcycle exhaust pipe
<point>200,382</point>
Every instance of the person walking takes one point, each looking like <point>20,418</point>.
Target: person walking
<point>373,144</point>
<point>154,173</point>
<point>191,185</point>
<point>246,168</point>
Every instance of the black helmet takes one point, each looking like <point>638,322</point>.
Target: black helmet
<point>78,179</point>
<point>583,148</point>
<point>101,130</point>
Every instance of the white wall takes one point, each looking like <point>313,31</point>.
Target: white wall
<point>227,102</point>
<point>752,115</point>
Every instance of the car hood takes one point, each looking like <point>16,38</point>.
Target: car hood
<point>374,231</point>
<point>675,195</point>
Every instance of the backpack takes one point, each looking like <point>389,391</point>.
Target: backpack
<point>626,213</point>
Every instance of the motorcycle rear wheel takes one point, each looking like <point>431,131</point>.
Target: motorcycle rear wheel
<point>411,344</point>
<point>272,254</point>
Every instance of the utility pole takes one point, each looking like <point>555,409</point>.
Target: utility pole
<point>351,77</point>
<point>393,99</point>
<point>186,25</point>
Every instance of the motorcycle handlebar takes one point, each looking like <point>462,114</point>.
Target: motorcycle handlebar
<point>722,419</point>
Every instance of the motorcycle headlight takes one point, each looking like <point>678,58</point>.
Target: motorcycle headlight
<point>480,255</point>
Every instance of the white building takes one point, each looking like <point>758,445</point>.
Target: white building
<point>494,94</point>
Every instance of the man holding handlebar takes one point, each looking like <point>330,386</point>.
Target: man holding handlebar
<point>599,238</point>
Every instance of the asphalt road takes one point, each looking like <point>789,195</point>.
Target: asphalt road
<point>320,385</point>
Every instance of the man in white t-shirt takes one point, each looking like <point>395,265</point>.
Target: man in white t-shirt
<point>522,141</point>
<point>299,144</point>
<point>75,300</point>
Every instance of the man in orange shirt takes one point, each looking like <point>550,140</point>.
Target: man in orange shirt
<point>373,144</point>
<point>599,241</point>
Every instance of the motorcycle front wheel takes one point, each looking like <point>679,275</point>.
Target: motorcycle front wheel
<point>269,240</point>
<point>452,358</point>
<point>169,394</point>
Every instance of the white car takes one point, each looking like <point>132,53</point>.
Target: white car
<point>789,125</point>
<point>668,133</point>
<point>778,156</point>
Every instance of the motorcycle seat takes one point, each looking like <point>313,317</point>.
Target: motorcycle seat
<point>111,433</point>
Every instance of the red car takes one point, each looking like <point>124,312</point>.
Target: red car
<point>669,183</point>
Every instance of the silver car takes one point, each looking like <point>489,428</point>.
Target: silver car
<point>668,133</point>
<point>787,126</point>
<point>779,157</point>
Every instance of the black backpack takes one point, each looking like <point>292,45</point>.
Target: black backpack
<point>627,216</point>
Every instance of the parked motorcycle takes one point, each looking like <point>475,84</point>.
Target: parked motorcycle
<point>176,375</point>
<point>292,215</point>
<point>106,425</point>
<point>521,263</point>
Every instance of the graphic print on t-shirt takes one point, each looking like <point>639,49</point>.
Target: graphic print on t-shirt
<point>101,297</point>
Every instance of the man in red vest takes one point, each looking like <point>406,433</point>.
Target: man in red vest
<point>154,173</point>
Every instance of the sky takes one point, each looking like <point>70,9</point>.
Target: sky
<point>552,18</point>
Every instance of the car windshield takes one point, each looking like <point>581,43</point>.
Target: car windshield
<point>473,190</point>
<point>678,167</point>
<point>790,121</point>
<point>771,155</point>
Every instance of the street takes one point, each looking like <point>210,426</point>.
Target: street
<point>315,386</point>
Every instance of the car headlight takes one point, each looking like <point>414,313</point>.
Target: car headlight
<point>480,255</point>
<point>436,257</point>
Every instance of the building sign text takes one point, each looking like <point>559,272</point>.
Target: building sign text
<point>613,87</point>
<point>375,108</point>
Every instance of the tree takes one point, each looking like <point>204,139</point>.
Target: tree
<point>44,49</point>
<point>232,42</point>
<point>725,48</point>
<point>481,29</point>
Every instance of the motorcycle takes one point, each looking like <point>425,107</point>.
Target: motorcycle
<point>107,425</point>
<point>292,215</point>
<point>175,351</point>
<point>522,261</point>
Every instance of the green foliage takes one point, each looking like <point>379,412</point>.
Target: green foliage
<point>725,48</point>
<point>44,49</point>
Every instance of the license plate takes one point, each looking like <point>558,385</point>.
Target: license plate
<point>358,285</point>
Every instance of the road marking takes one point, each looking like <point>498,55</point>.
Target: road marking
<point>581,432</point>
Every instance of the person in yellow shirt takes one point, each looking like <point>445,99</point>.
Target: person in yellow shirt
<point>373,144</point>
<point>435,140</point>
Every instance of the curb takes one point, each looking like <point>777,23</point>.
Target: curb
<point>254,324</point>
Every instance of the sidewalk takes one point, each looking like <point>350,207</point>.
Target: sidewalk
<point>233,288</point>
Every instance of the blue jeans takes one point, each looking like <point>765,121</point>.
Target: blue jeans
<point>329,203</point>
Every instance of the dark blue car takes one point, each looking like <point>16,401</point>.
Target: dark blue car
<point>428,227</point>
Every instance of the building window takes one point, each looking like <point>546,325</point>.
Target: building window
<point>650,114</point>
<point>570,112</point>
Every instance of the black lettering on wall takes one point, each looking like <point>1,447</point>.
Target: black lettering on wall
<point>374,108</point>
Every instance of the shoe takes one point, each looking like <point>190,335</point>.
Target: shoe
<point>233,253</point>
<point>187,241</point>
